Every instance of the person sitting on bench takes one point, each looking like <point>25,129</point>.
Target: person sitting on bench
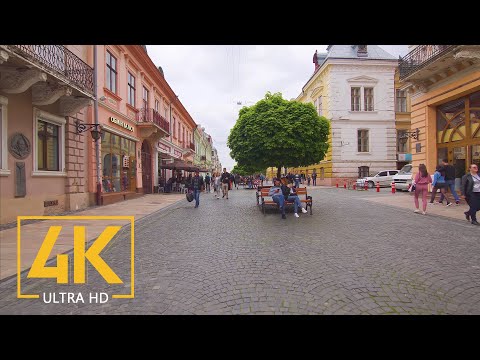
<point>281,193</point>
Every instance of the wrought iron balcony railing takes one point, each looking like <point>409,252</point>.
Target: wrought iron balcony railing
<point>150,115</point>
<point>421,56</point>
<point>61,61</point>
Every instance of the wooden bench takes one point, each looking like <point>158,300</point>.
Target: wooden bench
<point>259,190</point>
<point>308,201</point>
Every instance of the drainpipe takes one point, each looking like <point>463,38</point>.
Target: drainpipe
<point>97,148</point>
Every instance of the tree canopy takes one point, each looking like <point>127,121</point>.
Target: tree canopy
<point>244,170</point>
<point>277,132</point>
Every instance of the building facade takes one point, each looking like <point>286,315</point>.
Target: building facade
<point>131,99</point>
<point>44,91</point>
<point>203,150</point>
<point>444,82</point>
<point>353,87</point>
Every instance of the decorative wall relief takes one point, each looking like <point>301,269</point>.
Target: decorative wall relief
<point>19,146</point>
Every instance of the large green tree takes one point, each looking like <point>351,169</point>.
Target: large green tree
<point>245,170</point>
<point>277,132</point>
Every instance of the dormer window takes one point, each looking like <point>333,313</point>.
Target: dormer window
<point>362,50</point>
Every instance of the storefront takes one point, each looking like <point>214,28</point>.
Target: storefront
<point>118,160</point>
<point>458,133</point>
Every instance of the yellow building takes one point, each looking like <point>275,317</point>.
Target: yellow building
<point>444,82</point>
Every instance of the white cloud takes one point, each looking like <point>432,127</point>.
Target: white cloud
<point>211,79</point>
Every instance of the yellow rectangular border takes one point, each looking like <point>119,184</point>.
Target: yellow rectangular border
<point>93,217</point>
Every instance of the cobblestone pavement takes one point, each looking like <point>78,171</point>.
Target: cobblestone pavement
<point>350,257</point>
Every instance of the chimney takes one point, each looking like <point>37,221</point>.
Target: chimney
<point>315,59</point>
<point>362,51</point>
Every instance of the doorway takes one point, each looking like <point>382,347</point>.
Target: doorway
<point>146,168</point>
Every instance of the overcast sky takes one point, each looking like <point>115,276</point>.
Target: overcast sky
<point>210,80</point>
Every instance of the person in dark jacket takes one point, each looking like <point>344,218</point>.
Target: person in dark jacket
<point>471,193</point>
<point>197,185</point>
<point>449,181</point>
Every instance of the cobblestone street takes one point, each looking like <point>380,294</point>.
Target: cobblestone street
<point>351,256</point>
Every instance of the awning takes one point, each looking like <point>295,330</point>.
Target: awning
<point>177,165</point>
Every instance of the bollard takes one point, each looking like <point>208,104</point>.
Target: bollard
<point>344,184</point>
<point>337,184</point>
<point>378,186</point>
<point>354,186</point>
<point>366,185</point>
<point>393,187</point>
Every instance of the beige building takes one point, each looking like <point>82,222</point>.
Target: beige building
<point>44,91</point>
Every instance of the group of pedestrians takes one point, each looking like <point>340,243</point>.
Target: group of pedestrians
<point>444,180</point>
<point>286,191</point>
<point>302,178</point>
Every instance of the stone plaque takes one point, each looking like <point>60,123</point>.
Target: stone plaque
<point>19,146</point>
<point>20,180</point>
<point>50,203</point>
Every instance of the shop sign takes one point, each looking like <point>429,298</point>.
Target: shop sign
<point>177,154</point>
<point>121,123</point>
<point>164,148</point>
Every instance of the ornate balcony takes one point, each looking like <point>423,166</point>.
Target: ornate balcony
<point>428,64</point>
<point>58,61</point>
<point>420,57</point>
<point>151,123</point>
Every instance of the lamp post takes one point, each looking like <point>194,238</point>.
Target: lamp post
<point>97,148</point>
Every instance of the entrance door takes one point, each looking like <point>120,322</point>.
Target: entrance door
<point>146,168</point>
<point>460,164</point>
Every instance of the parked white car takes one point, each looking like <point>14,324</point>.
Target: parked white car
<point>384,177</point>
<point>403,180</point>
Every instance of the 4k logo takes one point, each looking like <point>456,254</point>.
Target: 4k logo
<point>60,272</point>
<point>81,255</point>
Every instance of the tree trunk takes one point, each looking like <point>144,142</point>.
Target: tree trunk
<point>278,171</point>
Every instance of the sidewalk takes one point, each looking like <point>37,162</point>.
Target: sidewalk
<point>32,235</point>
<point>406,200</point>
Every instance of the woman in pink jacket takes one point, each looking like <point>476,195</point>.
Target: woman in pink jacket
<point>422,179</point>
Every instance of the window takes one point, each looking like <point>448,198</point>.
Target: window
<point>355,92</point>
<point>157,105</point>
<point>368,99</point>
<point>401,101</point>
<point>145,98</point>
<point>402,141</point>
<point>383,173</point>
<point>391,173</point>
<point>111,73</point>
<point>131,89</point>
<point>362,140</point>
<point>49,144</point>
<point>363,171</point>
<point>173,132</point>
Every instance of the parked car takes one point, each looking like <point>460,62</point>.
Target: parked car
<point>403,180</point>
<point>384,177</point>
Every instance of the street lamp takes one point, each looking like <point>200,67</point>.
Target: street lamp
<point>82,127</point>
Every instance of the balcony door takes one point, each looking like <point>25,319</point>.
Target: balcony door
<point>146,168</point>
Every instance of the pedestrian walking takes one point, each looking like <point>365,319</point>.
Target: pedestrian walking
<point>421,181</point>
<point>207,183</point>
<point>218,185</point>
<point>225,182</point>
<point>314,178</point>
<point>439,184</point>
<point>237,180</point>
<point>449,181</point>
<point>197,184</point>
<point>471,193</point>
<point>297,180</point>
<point>308,180</point>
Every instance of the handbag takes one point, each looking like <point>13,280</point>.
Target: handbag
<point>189,196</point>
<point>412,187</point>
